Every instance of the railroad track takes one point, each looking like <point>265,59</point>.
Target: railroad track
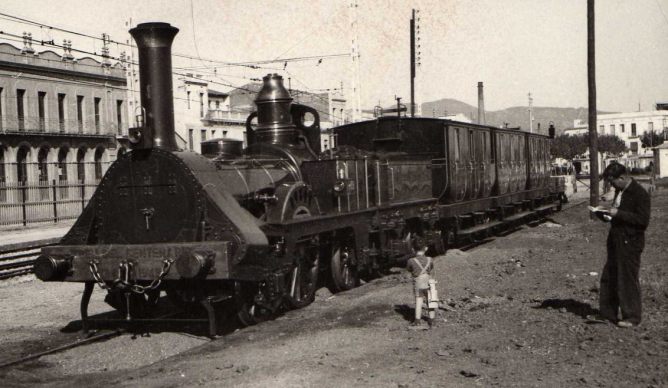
<point>89,340</point>
<point>18,259</point>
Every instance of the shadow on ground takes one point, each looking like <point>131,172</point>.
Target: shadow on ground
<point>571,305</point>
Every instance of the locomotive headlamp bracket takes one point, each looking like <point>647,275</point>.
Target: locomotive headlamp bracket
<point>344,187</point>
<point>140,137</point>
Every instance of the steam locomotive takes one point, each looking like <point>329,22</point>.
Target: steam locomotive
<point>257,227</point>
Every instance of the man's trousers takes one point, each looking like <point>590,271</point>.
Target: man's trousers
<point>620,283</point>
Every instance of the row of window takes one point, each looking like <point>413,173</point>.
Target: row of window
<point>42,164</point>
<point>22,117</point>
<point>201,103</point>
<point>622,129</point>
<point>203,136</point>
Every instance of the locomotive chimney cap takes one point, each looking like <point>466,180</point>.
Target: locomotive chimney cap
<point>272,90</point>
<point>274,118</point>
<point>153,34</point>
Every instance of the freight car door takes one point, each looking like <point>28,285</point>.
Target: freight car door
<point>487,165</point>
<point>535,162</point>
<point>522,162</point>
<point>514,162</point>
<point>473,166</point>
<point>458,151</point>
<point>439,171</point>
<point>503,152</point>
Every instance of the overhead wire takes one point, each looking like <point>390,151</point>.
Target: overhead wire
<point>222,63</point>
<point>250,64</point>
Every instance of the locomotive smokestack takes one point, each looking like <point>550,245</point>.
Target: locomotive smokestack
<point>154,43</point>
<point>274,121</point>
<point>481,105</point>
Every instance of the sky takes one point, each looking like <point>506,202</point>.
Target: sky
<point>515,47</point>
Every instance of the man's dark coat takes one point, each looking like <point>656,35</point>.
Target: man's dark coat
<point>620,284</point>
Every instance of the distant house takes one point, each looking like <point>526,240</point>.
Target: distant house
<point>203,113</point>
<point>661,160</point>
<point>629,127</point>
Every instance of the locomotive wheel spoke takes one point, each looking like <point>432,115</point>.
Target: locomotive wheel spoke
<point>344,267</point>
<point>249,312</point>
<point>303,279</point>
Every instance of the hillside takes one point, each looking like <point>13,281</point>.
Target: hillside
<point>515,117</point>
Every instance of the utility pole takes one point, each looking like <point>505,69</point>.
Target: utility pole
<point>530,113</point>
<point>415,55</point>
<point>355,98</point>
<point>593,136</point>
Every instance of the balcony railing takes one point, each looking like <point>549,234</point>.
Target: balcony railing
<point>31,124</point>
<point>226,115</point>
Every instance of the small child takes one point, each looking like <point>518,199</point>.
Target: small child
<point>420,268</point>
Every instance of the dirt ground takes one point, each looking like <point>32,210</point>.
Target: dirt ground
<point>515,317</point>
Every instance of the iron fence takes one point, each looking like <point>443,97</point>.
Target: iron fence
<point>24,203</point>
<point>29,194</point>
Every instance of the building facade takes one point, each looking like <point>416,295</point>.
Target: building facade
<point>203,113</point>
<point>630,128</point>
<point>62,121</point>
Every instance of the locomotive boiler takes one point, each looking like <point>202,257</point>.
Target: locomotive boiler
<point>255,230</point>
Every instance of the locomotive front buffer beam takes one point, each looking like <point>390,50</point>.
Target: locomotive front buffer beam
<point>129,264</point>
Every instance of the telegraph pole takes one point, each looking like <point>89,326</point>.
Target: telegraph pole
<point>530,113</point>
<point>593,136</point>
<point>355,65</point>
<point>415,56</point>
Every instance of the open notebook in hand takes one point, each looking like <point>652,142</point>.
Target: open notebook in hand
<point>598,209</point>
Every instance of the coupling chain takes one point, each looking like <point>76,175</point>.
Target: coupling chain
<point>96,275</point>
<point>125,284</point>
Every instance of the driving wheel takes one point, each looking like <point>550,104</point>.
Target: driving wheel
<point>345,273</point>
<point>250,307</point>
<point>301,282</point>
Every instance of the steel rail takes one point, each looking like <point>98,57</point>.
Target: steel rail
<point>65,347</point>
<point>19,261</point>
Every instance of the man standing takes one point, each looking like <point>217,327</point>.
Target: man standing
<point>629,217</point>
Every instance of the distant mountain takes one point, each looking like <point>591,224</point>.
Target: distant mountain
<point>514,117</point>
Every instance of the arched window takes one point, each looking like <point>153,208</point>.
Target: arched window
<point>62,164</point>
<point>22,164</point>
<point>2,165</point>
<point>62,171</point>
<point>98,163</point>
<point>42,164</point>
<point>3,179</point>
<point>81,166</point>
<point>43,169</point>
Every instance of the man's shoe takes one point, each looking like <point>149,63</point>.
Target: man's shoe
<point>625,324</point>
<point>597,319</point>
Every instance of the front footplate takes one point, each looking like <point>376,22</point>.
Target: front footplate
<point>73,263</point>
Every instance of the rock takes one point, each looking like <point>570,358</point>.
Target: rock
<point>455,253</point>
<point>468,373</point>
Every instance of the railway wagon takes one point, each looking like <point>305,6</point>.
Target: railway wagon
<point>256,230</point>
